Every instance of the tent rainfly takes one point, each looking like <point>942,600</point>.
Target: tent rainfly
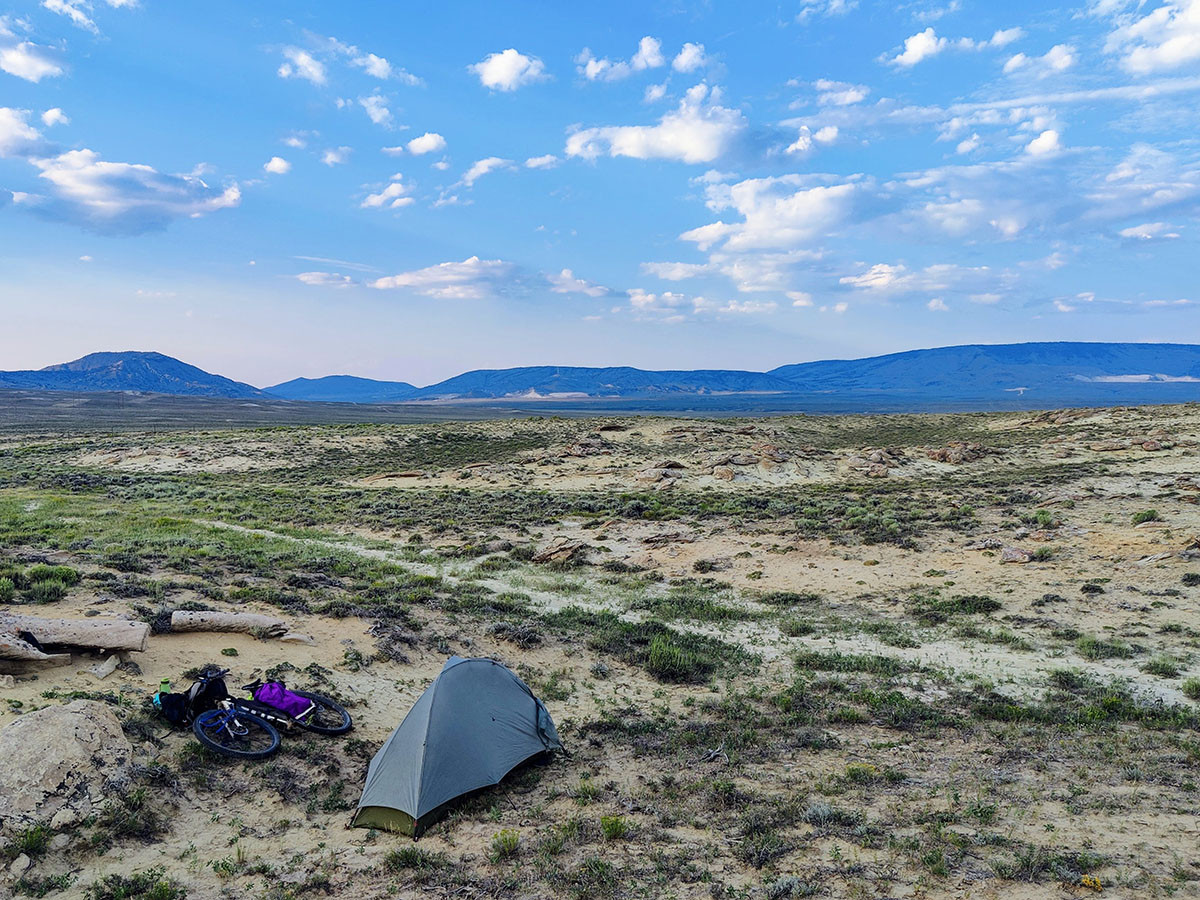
<point>472,726</point>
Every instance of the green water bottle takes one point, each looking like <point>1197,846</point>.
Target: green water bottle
<point>164,686</point>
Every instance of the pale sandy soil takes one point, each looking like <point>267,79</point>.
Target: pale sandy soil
<point>1052,788</point>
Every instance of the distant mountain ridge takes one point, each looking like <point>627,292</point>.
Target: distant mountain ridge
<point>1059,373</point>
<point>129,371</point>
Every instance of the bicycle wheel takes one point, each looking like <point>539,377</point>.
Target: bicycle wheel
<point>241,736</point>
<point>327,718</point>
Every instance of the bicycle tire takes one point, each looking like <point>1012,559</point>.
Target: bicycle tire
<point>259,740</point>
<point>328,718</point>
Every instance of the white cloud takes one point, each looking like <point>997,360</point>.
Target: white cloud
<point>937,304</point>
<point>483,167</point>
<point>277,165</point>
<point>926,44</point>
<point>565,282</point>
<point>1058,58</point>
<point>542,162</point>
<point>1063,307</point>
<point>509,70</point>
<point>812,8</point>
<point>17,136</point>
<point>398,150</point>
<point>25,60</point>
<point>471,279</point>
<point>840,93</point>
<point>746,307</point>
<point>654,93</point>
<point>826,135</point>
<point>336,156</point>
<point>880,277</point>
<point>1166,38</point>
<point>302,64</point>
<point>1150,231</point>
<point>675,271</point>
<point>325,279</point>
<point>392,196</point>
<point>805,139</point>
<point>429,142</point>
<point>376,108</point>
<point>697,131</point>
<point>986,299</point>
<point>1044,144</point>
<point>375,66</point>
<point>647,56</point>
<point>968,144</point>
<point>690,58</point>
<point>73,10</point>
<point>55,116</point>
<point>85,258</point>
<point>124,197</point>
<point>296,141</point>
<point>799,299</point>
<point>920,46</point>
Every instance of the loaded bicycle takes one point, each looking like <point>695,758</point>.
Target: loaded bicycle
<point>250,728</point>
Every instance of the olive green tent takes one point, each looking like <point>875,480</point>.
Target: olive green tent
<point>472,726</point>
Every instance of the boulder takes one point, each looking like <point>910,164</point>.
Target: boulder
<point>1015,555</point>
<point>56,763</point>
<point>723,472</point>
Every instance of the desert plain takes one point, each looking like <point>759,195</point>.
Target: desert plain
<point>830,656</point>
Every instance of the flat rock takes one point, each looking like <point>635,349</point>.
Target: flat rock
<point>56,761</point>
<point>1015,555</point>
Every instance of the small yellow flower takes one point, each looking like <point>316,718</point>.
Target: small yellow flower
<point>1091,882</point>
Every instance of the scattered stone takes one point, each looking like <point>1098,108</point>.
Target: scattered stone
<point>653,476</point>
<point>725,473</point>
<point>669,537</point>
<point>20,865</point>
<point>985,544</point>
<point>7,681</point>
<point>668,464</point>
<point>1015,555</point>
<point>561,551</point>
<point>958,452</point>
<point>1109,446</point>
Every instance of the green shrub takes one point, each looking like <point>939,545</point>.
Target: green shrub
<point>415,858</point>
<point>1191,579</point>
<point>671,662</point>
<point>151,884</point>
<point>63,574</point>
<point>1191,688</point>
<point>7,590</point>
<point>614,827</point>
<point>1091,647</point>
<point>1163,667</point>
<point>505,844</point>
<point>45,592</point>
<point>1146,515</point>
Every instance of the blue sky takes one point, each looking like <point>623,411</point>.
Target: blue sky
<point>271,190</point>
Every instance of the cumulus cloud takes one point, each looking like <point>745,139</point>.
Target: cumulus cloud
<point>26,60</point>
<point>1058,58</point>
<point>336,156</point>
<point>1166,38</point>
<point>325,279</point>
<point>548,161</point>
<point>1044,144</point>
<point>471,279</point>
<point>125,198</point>
<point>690,58</point>
<point>937,304</point>
<point>927,43</point>
<point>918,47</point>
<point>699,130</point>
<point>55,116</point>
<point>394,196</point>
<point>647,56</point>
<point>800,299</point>
<point>654,93</point>
<point>17,136</point>
<point>509,70</point>
<point>565,282</point>
<point>376,108</point>
<point>302,64</point>
<point>967,145</point>
<point>839,93</point>
<point>483,167</point>
<point>429,142</point>
<point>277,165</point>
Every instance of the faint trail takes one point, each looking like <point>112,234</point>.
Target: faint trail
<point>1012,673</point>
